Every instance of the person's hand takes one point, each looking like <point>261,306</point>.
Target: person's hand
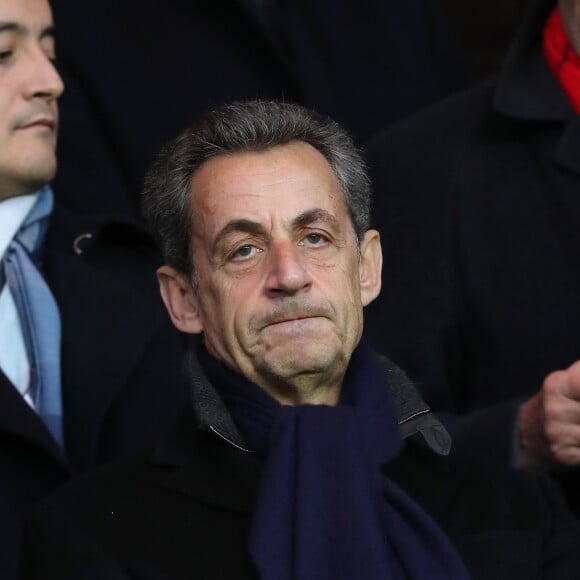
<point>549,422</point>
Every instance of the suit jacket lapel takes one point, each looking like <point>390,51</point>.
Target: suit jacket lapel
<point>17,418</point>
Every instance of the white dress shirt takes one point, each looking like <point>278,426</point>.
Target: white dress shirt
<point>13,358</point>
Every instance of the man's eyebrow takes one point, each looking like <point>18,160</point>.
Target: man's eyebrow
<point>315,215</point>
<point>12,27</point>
<point>241,225</point>
<point>47,32</point>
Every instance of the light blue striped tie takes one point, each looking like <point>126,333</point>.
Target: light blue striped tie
<point>38,312</point>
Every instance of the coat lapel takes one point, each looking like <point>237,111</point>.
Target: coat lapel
<point>18,419</point>
<point>100,319</point>
<point>198,464</point>
<point>527,90</point>
<point>110,310</point>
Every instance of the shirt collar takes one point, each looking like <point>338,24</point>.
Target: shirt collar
<point>13,212</point>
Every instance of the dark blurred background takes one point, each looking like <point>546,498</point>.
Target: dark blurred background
<point>137,71</point>
<point>484,29</point>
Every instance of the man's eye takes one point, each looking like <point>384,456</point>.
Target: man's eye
<point>245,252</point>
<point>5,55</point>
<point>313,239</point>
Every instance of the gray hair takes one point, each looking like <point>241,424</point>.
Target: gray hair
<point>236,128</point>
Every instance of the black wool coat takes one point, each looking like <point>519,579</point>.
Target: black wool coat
<point>185,511</point>
<point>478,203</point>
<point>118,347</point>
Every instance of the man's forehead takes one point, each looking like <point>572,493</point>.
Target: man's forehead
<point>293,164</point>
<point>286,179</point>
<point>26,17</point>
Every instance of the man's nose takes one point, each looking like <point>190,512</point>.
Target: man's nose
<point>287,270</point>
<point>44,80</point>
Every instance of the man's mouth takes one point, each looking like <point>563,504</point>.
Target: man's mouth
<point>290,318</point>
<point>292,313</point>
<point>293,320</point>
<point>47,122</point>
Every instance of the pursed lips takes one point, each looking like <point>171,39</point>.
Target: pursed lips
<point>290,319</point>
<point>291,311</point>
<point>48,122</point>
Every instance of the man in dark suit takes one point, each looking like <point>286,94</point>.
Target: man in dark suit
<point>84,339</point>
<point>478,202</point>
<point>304,454</point>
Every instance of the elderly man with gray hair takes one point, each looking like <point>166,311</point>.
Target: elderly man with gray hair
<point>303,454</point>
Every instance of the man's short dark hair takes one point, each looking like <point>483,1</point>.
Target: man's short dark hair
<point>236,128</point>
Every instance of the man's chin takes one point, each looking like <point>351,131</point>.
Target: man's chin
<point>301,358</point>
<point>34,170</point>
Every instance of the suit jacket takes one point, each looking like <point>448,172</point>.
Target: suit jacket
<point>137,72</point>
<point>477,201</point>
<point>118,347</point>
<point>185,511</point>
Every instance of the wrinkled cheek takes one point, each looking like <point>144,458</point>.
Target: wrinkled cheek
<point>352,326</point>
<point>243,336</point>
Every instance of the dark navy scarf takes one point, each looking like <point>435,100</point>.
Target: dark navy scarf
<point>325,510</point>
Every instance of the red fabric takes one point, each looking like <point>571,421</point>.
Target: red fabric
<point>562,59</point>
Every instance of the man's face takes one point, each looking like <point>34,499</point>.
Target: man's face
<point>29,88</point>
<point>279,295</point>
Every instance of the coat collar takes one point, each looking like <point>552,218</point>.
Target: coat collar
<point>413,413</point>
<point>211,415</point>
<point>205,456</point>
<point>526,89</point>
<point>67,225</point>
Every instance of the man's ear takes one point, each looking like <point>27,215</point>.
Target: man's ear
<point>370,267</point>
<point>180,300</point>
